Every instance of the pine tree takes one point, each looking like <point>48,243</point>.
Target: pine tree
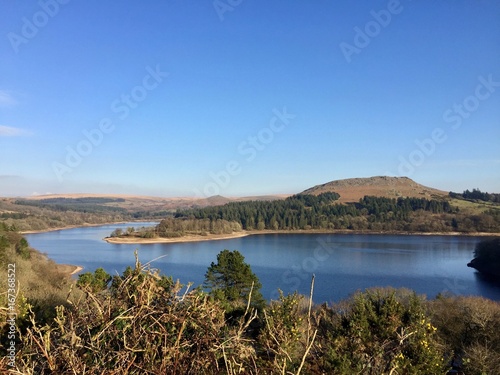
<point>230,281</point>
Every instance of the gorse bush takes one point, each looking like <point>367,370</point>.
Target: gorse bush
<point>380,331</point>
<point>142,325</point>
<point>94,282</point>
<point>287,334</point>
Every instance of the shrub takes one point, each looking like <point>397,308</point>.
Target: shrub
<point>94,282</point>
<point>143,326</point>
<point>286,336</point>
<point>470,327</point>
<point>379,331</point>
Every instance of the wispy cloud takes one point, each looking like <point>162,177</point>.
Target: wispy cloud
<point>8,131</point>
<point>6,99</point>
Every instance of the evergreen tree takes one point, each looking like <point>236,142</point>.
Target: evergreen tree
<point>230,281</point>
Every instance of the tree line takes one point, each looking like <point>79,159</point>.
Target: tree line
<point>91,204</point>
<point>305,212</point>
<point>171,227</point>
<point>476,194</point>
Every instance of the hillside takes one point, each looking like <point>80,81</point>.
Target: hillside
<point>134,203</point>
<point>66,210</point>
<point>353,189</point>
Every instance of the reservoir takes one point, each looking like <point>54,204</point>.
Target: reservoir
<point>342,263</point>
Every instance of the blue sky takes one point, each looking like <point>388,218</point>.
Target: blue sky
<point>239,97</point>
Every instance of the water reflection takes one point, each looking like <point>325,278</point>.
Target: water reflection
<point>488,286</point>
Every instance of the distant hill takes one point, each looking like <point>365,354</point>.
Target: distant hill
<point>133,203</point>
<point>353,189</point>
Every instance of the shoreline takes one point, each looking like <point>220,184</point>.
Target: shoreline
<point>215,237</point>
<point>188,238</point>
<point>68,269</point>
<point>244,233</point>
<point>86,225</point>
<point>76,270</point>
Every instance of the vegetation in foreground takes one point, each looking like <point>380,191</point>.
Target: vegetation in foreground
<point>144,323</point>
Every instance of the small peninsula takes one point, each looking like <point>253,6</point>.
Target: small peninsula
<point>487,258</point>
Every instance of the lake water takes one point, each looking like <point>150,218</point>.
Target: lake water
<point>342,263</point>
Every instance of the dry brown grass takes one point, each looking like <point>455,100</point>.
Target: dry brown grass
<point>43,283</point>
<point>353,189</point>
<point>145,325</point>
